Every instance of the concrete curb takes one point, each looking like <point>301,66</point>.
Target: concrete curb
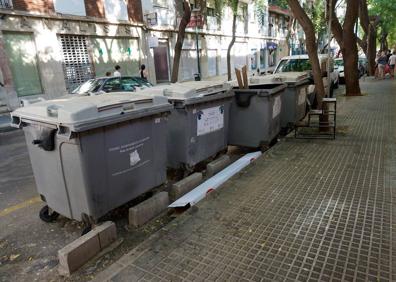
<point>217,165</point>
<point>185,185</point>
<point>147,210</point>
<point>77,253</point>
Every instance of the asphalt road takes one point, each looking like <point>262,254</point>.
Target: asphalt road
<point>27,245</point>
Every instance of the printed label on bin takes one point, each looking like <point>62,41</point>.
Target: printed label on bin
<point>132,156</point>
<point>302,96</point>
<point>276,108</point>
<point>209,120</point>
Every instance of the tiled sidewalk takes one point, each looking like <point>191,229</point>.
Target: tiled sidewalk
<point>308,210</point>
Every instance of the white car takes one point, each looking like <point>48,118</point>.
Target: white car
<point>339,66</point>
<point>301,63</point>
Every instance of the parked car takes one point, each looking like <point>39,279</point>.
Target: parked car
<point>339,65</point>
<point>301,63</point>
<point>112,84</point>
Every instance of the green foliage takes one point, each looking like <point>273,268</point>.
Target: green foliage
<point>280,3</point>
<point>260,8</point>
<point>234,6</point>
<point>219,6</point>
<point>317,14</point>
<point>386,10</point>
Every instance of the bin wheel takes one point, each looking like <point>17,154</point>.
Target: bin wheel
<point>46,216</point>
<point>86,229</point>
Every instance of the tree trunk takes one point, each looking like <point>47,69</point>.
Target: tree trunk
<point>371,49</point>
<point>180,38</point>
<point>347,40</point>
<point>311,44</point>
<point>350,50</point>
<point>234,18</point>
<point>370,36</point>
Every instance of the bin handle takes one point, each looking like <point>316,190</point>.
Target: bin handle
<point>46,139</point>
<point>243,98</point>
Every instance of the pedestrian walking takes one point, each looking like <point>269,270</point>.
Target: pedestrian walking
<point>117,70</point>
<point>382,61</point>
<point>143,72</point>
<point>392,63</point>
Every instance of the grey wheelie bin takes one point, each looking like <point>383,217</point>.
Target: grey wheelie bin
<point>95,153</point>
<point>293,98</point>
<point>255,115</point>
<point>198,123</point>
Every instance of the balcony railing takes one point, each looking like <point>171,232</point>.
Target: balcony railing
<point>5,4</point>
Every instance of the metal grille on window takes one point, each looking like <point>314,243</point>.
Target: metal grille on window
<point>5,4</point>
<point>77,66</point>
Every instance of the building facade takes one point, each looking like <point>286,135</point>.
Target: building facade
<point>49,47</point>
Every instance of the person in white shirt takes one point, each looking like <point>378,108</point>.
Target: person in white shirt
<point>117,71</point>
<point>392,63</point>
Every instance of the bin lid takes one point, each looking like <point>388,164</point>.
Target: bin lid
<point>192,91</point>
<point>88,112</point>
<point>284,77</point>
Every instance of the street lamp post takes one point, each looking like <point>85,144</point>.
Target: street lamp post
<point>197,44</point>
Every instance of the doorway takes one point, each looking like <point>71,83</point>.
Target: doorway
<point>161,62</point>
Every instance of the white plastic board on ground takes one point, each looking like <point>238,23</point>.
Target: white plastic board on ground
<point>214,182</point>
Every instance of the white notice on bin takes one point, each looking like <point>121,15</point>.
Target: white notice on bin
<point>209,120</point>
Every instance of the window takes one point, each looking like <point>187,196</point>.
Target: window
<point>116,10</point>
<point>77,66</point>
<point>5,4</point>
<point>77,7</point>
<point>262,58</point>
<point>291,65</point>
<point>339,63</point>
<point>129,84</point>
<point>160,3</point>
<point>210,12</point>
<point>112,85</point>
<point>92,85</point>
<point>21,52</point>
<point>243,11</point>
<point>253,59</point>
<point>195,4</point>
